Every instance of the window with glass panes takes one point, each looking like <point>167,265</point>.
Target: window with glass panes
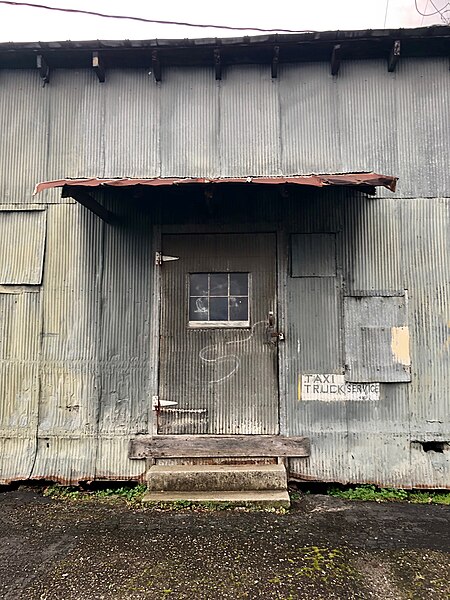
<point>219,299</point>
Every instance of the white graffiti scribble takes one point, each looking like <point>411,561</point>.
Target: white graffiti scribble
<point>200,308</point>
<point>208,355</point>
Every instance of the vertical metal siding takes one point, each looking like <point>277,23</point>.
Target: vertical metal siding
<point>423,128</point>
<point>129,119</point>
<point>367,117</point>
<point>249,135</point>
<point>19,383</point>
<point>190,123</point>
<point>24,117</point>
<point>75,126</point>
<point>373,259</point>
<point>314,326</point>
<point>245,402</point>
<point>369,339</point>
<point>125,327</point>
<point>310,138</point>
<point>248,124</point>
<point>426,242</point>
<point>22,243</point>
<point>74,357</point>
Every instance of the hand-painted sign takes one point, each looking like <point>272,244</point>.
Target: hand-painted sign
<point>330,388</point>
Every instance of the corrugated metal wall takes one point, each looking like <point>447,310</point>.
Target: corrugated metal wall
<point>247,124</point>
<point>393,245</point>
<point>75,379</point>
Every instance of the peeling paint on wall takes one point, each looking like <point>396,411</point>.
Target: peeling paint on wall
<point>400,345</point>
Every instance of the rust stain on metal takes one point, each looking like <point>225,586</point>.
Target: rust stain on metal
<point>323,180</point>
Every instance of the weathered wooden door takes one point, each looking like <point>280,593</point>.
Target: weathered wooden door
<point>218,352</point>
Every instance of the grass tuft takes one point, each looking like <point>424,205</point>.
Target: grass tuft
<point>373,493</point>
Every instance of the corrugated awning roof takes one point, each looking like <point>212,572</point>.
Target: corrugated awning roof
<point>363,180</point>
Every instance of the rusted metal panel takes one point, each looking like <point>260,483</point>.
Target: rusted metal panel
<point>324,180</point>
<point>313,255</point>
<point>22,242</point>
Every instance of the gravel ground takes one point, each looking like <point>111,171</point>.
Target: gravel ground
<point>324,548</point>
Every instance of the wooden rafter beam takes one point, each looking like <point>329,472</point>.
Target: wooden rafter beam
<point>336,59</point>
<point>156,65</point>
<point>43,68</point>
<point>82,197</point>
<point>98,66</point>
<point>275,61</point>
<point>217,64</point>
<point>394,56</point>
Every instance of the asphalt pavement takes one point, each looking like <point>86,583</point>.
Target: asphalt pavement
<point>324,548</point>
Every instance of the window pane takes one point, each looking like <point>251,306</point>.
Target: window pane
<point>198,284</point>
<point>239,284</point>
<point>219,284</point>
<point>218,309</point>
<point>198,309</point>
<point>238,309</point>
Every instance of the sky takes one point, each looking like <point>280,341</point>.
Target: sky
<point>20,24</point>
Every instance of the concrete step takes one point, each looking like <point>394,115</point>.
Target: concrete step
<point>202,478</point>
<point>265,499</point>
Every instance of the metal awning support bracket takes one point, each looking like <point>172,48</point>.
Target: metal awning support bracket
<point>82,197</point>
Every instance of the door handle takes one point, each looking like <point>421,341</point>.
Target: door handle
<point>273,336</point>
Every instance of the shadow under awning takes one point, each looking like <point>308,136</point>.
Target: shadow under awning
<point>77,187</point>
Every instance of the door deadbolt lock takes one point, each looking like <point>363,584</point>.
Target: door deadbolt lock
<point>273,336</point>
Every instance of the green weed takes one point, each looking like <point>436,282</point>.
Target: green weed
<point>375,494</point>
<point>130,494</point>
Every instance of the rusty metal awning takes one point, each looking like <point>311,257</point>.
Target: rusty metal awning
<point>76,188</point>
<point>362,180</point>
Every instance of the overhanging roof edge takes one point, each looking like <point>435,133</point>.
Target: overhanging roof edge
<point>314,180</point>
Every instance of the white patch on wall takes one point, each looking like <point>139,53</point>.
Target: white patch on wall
<point>331,388</point>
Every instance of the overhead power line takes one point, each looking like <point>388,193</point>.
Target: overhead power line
<point>442,11</point>
<point>438,11</point>
<point>144,20</point>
